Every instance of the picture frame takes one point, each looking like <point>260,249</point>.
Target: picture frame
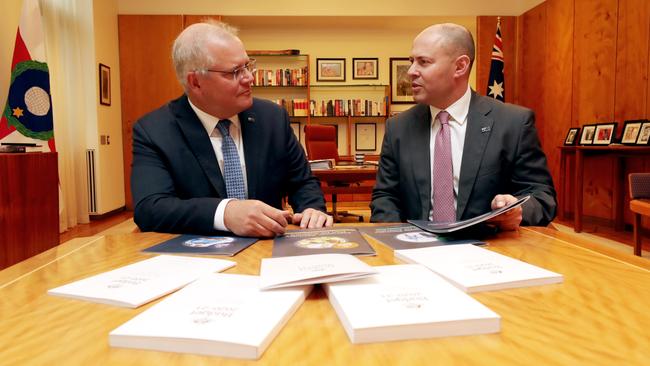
<point>295,126</point>
<point>104,84</point>
<point>401,91</point>
<point>571,136</point>
<point>587,135</point>
<point>644,134</point>
<point>365,136</point>
<point>330,69</point>
<point>631,131</point>
<point>365,68</point>
<point>604,133</point>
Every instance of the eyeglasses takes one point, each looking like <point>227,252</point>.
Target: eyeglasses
<point>239,72</point>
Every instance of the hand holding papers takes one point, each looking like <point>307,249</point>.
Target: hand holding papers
<point>449,227</point>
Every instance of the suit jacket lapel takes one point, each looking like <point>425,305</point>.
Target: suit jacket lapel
<point>419,144</point>
<point>252,149</point>
<point>199,142</point>
<point>479,127</point>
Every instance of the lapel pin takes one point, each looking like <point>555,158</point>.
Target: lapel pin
<point>251,119</point>
<point>486,129</point>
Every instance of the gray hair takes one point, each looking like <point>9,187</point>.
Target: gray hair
<point>189,49</point>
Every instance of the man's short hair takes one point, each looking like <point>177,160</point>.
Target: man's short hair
<point>459,40</point>
<point>189,49</point>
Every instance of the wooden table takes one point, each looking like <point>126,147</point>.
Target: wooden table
<point>346,179</point>
<point>598,316</point>
<point>618,153</point>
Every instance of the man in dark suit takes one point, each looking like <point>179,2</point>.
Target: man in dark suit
<point>456,155</point>
<point>216,159</point>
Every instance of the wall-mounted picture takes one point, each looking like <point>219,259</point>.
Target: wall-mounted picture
<point>365,135</point>
<point>295,126</point>
<point>587,136</point>
<point>604,133</point>
<point>644,134</point>
<point>400,83</point>
<point>571,136</point>
<point>631,131</point>
<point>104,84</point>
<point>330,69</point>
<point>365,68</point>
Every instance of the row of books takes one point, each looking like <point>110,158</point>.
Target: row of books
<point>238,316</point>
<point>281,77</point>
<point>349,107</point>
<point>333,107</point>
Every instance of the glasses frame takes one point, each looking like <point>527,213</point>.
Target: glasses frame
<point>238,72</point>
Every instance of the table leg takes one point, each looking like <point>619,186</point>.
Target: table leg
<point>578,184</point>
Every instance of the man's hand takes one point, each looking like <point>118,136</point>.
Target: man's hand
<point>507,221</point>
<point>311,218</point>
<point>255,218</point>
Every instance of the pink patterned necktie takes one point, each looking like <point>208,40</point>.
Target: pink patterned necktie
<point>442,179</point>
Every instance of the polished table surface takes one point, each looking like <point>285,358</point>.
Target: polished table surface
<point>600,315</point>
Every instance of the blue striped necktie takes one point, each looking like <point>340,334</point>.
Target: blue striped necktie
<point>232,172</point>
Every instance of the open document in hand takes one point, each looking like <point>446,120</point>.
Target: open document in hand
<point>450,227</point>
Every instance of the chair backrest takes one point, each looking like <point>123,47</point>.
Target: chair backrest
<point>639,185</point>
<point>320,141</point>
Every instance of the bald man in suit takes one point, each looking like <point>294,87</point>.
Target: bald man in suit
<point>492,148</point>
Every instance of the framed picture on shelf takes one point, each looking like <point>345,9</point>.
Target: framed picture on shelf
<point>365,68</point>
<point>401,91</point>
<point>571,136</point>
<point>330,69</point>
<point>295,126</point>
<point>104,85</point>
<point>631,131</point>
<point>587,136</point>
<point>365,136</point>
<point>644,134</point>
<point>604,133</point>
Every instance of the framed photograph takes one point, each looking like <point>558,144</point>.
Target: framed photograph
<point>587,136</point>
<point>631,131</point>
<point>644,134</point>
<point>571,136</point>
<point>604,133</point>
<point>365,68</point>
<point>104,84</point>
<point>295,126</point>
<point>365,136</point>
<point>330,69</point>
<point>400,83</point>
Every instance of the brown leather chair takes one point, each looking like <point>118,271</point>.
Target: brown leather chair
<point>639,204</point>
<point>320,141</point>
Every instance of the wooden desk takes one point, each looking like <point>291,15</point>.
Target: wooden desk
<point>29,205</point>
<point>618,153</point>
<point>598,316</point>
<point>346,179</point>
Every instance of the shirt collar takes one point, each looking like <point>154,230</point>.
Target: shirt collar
<point>209,121</point>
<point>458,110</point>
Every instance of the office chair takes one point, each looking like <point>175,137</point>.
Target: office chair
<point>320,141</point>
<point>639,204</point>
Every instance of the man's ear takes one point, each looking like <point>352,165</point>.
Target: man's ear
<point>462,65</point>
<point>192,80</point>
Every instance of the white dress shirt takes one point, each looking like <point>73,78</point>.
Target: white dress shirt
<point>210,123</point>
<point>458,112</point>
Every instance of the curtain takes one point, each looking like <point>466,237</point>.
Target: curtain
<point>68,32</point>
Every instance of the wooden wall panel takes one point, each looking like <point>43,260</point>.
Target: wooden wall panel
<point>632,73</point>
<point>557,84</point>
<point>594,82</point>
<point>486,27</point>
<point>146,73</point>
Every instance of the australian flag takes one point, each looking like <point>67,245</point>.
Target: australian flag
<point>496,84</point>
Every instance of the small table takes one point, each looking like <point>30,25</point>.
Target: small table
<point>346,179</point>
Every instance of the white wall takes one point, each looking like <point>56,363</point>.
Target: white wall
<point>10,10</point>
